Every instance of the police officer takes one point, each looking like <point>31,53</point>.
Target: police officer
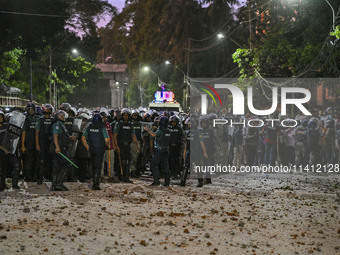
<point>193,150</point>
<point>175,150</point>
<point>28,143</point>
<point>161,151</point>
<point>136,155</point>
<point>117,117</point>
<point>124,134</point>
<point>98,140</point>
<point>300,143</point>
<point>8,160</point>
<point>146,151</point>
<point>3,163</point>
<point>61,142</point>
<point>43,138</point>
<point>314,141</point>
<point>109,153</point>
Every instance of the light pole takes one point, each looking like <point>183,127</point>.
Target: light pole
<point>147,69</point>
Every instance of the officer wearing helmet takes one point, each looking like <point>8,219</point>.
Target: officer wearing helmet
<point>8,158</point>
<point>314,135</point>
<point>176,143</point>
<point>161,151</point>
<point>43,141</point>
<point>109,153</point>
<point>61,142</point>
<point>96,139</point>
<point>330,141</point>
<point>193,150</point>
<point>124,134</point>
<point>301,143</point>
<point>3,163</point>
<point>135,154</point>
<point>116,118</point>
<point>28,143</point>
<point>147,144</point>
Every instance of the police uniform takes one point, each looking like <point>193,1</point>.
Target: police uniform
<point>124,131</point>
<point>175,149</point>
<point>44,126</point>
<point>3,161</point>
<point>60,164</point>
<point>161,155</point>
<point>135,157</point>
<point>300,144</point>
<point>29,143</point>
<point>96,134</point>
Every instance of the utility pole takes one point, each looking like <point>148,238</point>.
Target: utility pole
<point>250,31</point>
<point>50,76</point>
<point>31,85</point>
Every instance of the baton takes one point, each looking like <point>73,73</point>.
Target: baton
<point>120,163</point>
<point>109,166</point>
<point>68,160</point>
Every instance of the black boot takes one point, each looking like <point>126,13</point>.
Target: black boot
<point>54,180</point>
<point>40,172</point>
<point>96,181</point>
<point>200,183</point>
<point>60,180</point>
<point>208,180</point>
<point>126,171</point>
<point>184,176</point>
<point>15,177</point>
<point>2,182</point>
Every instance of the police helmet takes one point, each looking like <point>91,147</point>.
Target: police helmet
<point>83,116</point>
<point>46,107</point>
<point>38,110</point>
<point>65,107</point>
<point>146,116</point>
<point>163,121</point>
<point>30,106</point>
<point>313,122</point>
<point>2,113</point>
<point>61,112</point>
<point>74,111</point>
<point>97,118</point>
<point>166,114</point>
<point>330,123</point>
<point>174,118</point>
<point>126,111</point>
<point>194,122</point>
<point>134,112</point>
<point>204,119</point>
<point>156,120</point>
<point>212,116</point>
<point>329,109</point>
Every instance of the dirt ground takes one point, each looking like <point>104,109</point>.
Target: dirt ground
<point>237,214</point>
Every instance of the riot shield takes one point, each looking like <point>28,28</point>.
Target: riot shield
<point>78,126</point>
<point>13,132</point>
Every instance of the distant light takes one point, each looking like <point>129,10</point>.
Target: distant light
<point>167,62</point>
<point>220,36</point>
<point>117,83</point>
<point>146,69</point>
<point>75,51</point>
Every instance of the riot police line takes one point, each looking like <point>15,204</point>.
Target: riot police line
<point>44,145</point>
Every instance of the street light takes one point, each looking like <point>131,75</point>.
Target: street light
<point>75,51</point>
<point>147,69</point>
<point>220,36</point>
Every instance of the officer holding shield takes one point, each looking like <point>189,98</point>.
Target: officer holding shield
<point>61,142</point>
